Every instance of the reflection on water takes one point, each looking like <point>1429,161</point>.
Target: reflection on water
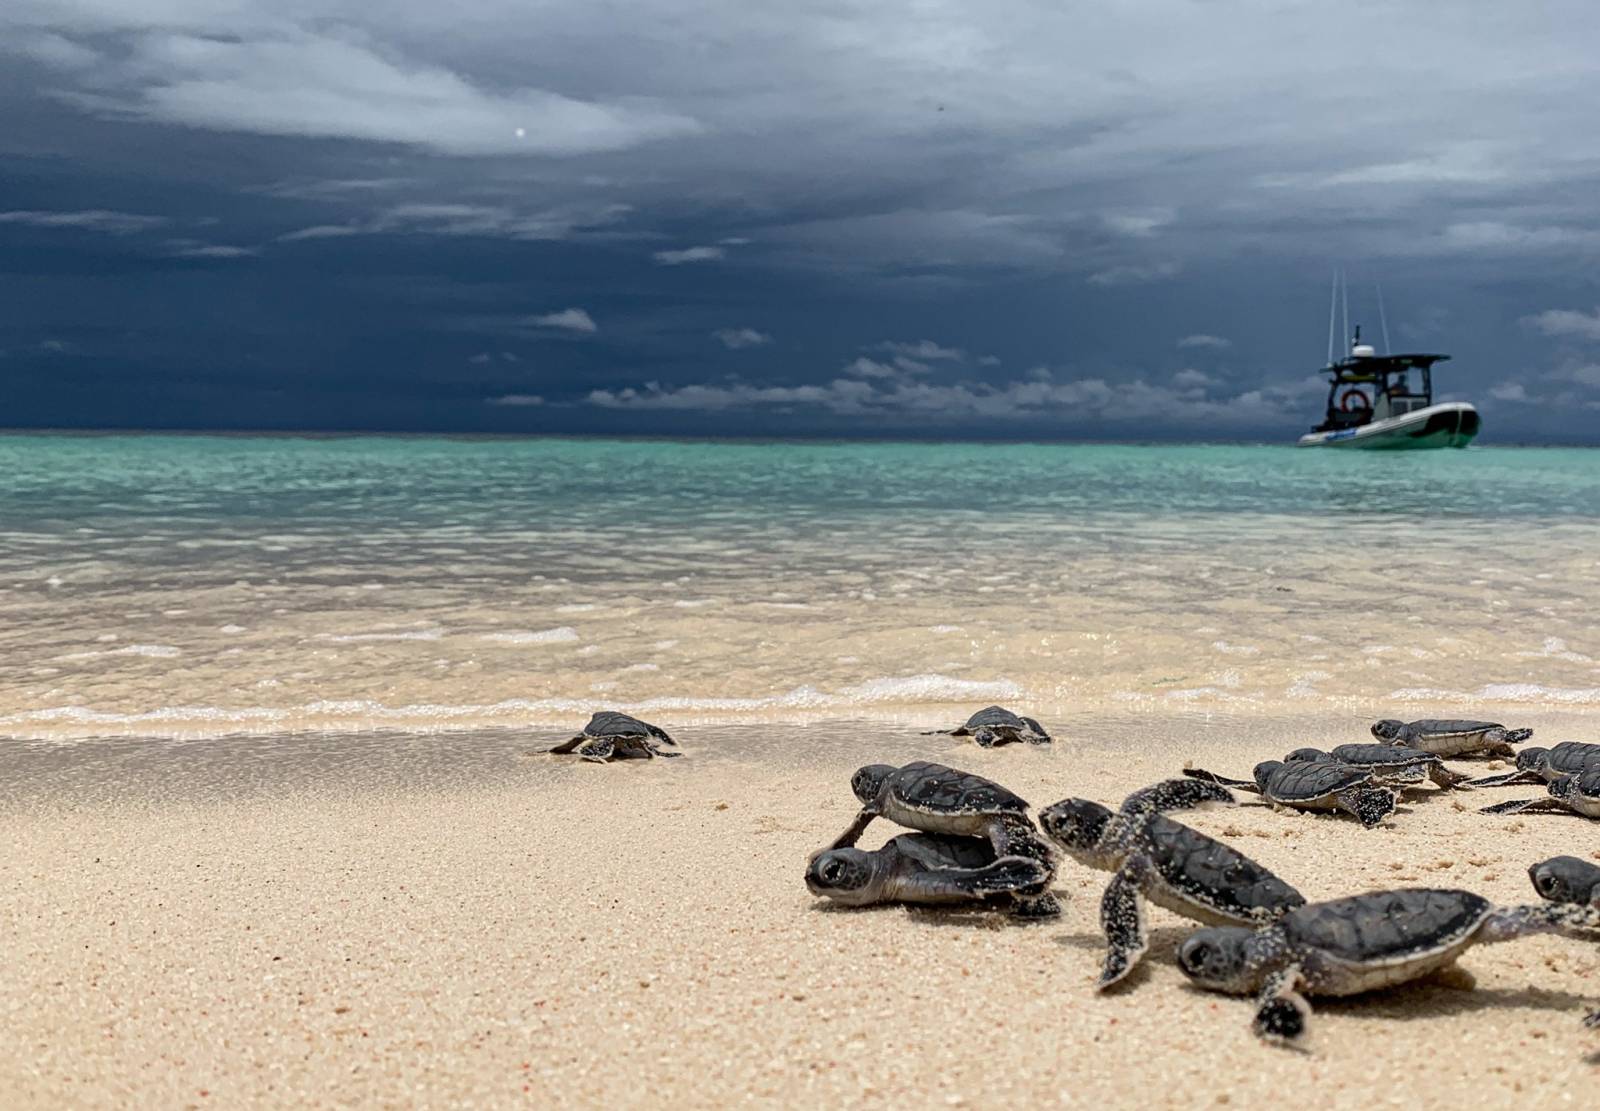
<point>158,584</point>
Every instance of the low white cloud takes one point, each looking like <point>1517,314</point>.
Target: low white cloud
<point>573,320</point>
<point>689,254</point>
<point>215,250</point>
<point>1138,225</point>
<point>1191,379</point>
<point>92,219</point>
<point>922,349</point>
<point>871,368</point>
<point>1509,391</point>
<point>737,339</point>
<point>1201,339</point>
<point>321,231</point>
<point>516,400</point>
<point>1134,275</point>
<point>1566,322</point>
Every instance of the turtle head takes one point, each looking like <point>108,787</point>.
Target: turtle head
<point>844,875</point>
<point>868,782</point>
<point>1075,824</point>
<point>1263,771</point>
<point>1218,959</point>
<point>1308,756</point>
<point>1565,879</point>
<point>1532,759</point>
<point>1390,731</point>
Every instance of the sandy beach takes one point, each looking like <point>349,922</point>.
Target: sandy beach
<point>386,920</point>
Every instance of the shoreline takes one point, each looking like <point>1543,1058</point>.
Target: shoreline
<point>399,919</point>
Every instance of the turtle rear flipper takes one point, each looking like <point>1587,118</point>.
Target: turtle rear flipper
<point>1040,737</point>
<point>1213,777</point>
<point>1007,875</point>
<point>1370,805</point>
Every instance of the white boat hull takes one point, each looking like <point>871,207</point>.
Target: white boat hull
<point>1449,424</point>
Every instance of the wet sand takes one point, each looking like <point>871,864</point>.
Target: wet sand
<point>389,920</point>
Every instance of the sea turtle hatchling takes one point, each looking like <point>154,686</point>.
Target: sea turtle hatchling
<point>610,735</point>
<point>1390,765</point>
<point>923,868</point>
<point>1306,785</point>
<point>1567,879</point>
<point>1358,944</point>
<point>1541,765</point>
<point>993,726</point>
<point>1451,738</point>
<point>1167,863</point>
<point>935,799</point>
<point>1569,794</point>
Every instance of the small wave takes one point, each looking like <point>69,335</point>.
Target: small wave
<point>544,636</point>
<point>1235,649</point>
<point>419,634</point>
<point>1501,692</point>
<point>155,651</point>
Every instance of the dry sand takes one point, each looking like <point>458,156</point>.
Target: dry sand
<point>370,929</point>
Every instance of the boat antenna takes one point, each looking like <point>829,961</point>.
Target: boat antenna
<point>1382,319</point>
<point>1346,289</point>
<point>1333,310</point>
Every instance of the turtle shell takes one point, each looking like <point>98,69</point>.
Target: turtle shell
<point>1307,782</point>
<point>609,723</point>
<point>995,717</point>
<point>1215,876</point>
<point>936,789</point>
<point>1387,927</point>
<point>1450,727</point>
<point>1573,756</point>
<point>1369,756</point>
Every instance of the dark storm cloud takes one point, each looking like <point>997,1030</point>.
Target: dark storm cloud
<point>1114,219</point>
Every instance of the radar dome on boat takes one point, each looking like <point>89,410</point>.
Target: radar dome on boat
<point>1363,351</point>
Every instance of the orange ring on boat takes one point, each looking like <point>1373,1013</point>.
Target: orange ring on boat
<point>1360,399</point>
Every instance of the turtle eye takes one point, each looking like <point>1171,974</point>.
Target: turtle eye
<point>832,870</point>
<point>1548,885</point>
<point>1194,956</point>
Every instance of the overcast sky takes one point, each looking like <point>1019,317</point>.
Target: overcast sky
<point>906,217</point>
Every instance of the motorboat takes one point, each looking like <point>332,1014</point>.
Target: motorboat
<point>1385,402</point>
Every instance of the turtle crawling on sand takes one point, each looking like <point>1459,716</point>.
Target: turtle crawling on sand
<point>1451,738</point>
<point>1358,944</point>
<point>1306,785</point>
<point>926,868</point>
<point>610,735</point>
<point>1567,879</point>
<point>1390,765</point>
<point>1569,794</point>
<point>993,726</point>
<point>935,799</point>
<point>1541,765</point>
<point>1167,863</point>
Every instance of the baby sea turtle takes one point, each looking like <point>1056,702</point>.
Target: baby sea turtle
<point>1168,863</point>
<point>1390,765</point>
<point>1569,794</point>
<point>936,799</point>
<point>1358,944</point>
<point>1314,786</point>
<point>1567,879</point>
<point>1451,738</point>
<point>610,735</point>
<point>1541,765</point>
<point>993,726</point>
<point>923,868</point>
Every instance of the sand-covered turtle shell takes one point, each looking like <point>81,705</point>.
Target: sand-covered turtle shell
<point>610,723</point>
<point>1386,756</point>
<point>1214,875</point>
<point>1386,927</point>
<point>994,717</point>
<point>935,789</point>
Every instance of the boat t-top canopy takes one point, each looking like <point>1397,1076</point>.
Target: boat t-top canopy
<point>1368,368</point>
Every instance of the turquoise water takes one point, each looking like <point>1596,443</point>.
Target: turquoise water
<point>216,583</point>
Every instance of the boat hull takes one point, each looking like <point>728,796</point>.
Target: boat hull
<point>1451,424</point>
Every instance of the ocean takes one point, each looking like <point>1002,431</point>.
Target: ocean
<point>192,585</point>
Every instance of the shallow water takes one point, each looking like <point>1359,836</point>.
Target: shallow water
<point>182,585</point>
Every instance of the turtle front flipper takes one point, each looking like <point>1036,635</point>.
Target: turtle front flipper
<point>1592,1020</point>
<point>1122,919</point>
<point>1282,1013</point>
<point>1005,876</point>
<point>1515,736</point>
<point>1509,923</point>
<point>1528,806</point>
<point>1370,805</point>
<point>567,746</point>
<point>1040,737</point>
<point>1509,779</point>
<point>1447,780</point>
<point>598,749</point>
<point>850,836</point>
<point>1175,794</point>
<point>1213,777</point>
